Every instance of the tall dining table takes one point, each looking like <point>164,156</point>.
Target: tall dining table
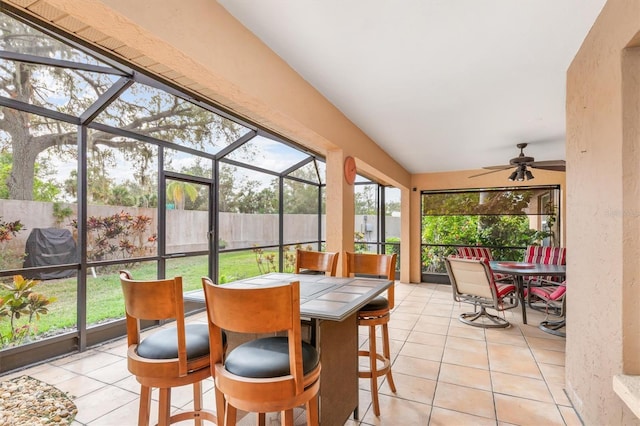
<point>330,306</point>
<point>520,270</point>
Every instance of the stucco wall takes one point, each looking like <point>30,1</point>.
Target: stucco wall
<point>602,216</point>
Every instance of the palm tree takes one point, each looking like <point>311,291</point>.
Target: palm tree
<point>177,192</point>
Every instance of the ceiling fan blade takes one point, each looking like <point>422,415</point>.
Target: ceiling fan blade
<point>489,172</point>
<point>553,165</point>
<point>503,167</point>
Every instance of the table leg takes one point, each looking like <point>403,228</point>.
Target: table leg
<point>520,289</point>
<point>337,342</point>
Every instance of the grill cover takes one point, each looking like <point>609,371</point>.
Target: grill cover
<point>48,247</point>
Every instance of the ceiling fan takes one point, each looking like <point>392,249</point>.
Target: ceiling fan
<point>521,162</point>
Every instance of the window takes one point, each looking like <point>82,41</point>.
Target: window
<point>142,177</point>
<point>503,219</point>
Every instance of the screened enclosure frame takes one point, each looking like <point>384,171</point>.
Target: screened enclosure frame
<point>125,77</point>
<point>514,207</point>
<point>382,246</point>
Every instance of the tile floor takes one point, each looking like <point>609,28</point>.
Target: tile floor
<point>446,372</point>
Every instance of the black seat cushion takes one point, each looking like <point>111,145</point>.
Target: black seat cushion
<point>268,357</point>
<point>376,304</point>
<point>310,272</point>
<point>163,344</point>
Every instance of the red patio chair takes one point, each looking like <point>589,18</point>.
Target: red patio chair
<point>481,253</point>
<point>472,282</point>
<point>548,298</point>
<point>547,256</point>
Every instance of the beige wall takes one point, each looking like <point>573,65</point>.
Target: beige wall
<point>603,215</point>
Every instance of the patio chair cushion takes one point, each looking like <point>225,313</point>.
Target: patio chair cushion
<point>546,255</point>
<point>497,277</point>
<point>163,344</point>
<point>549,293</point>
<point>474,252</point>
<point>504,289</point>
<point>268,357</point>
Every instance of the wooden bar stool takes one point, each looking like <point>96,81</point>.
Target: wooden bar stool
<point>169,357</point>
<point>376,312</point>
<point>267,374</point>
<point>309,262</point>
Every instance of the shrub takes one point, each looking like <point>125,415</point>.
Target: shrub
<point>10,258</point>
<point>21,301</point>
<point>267,262</point>
<point>61,213</point>
<point>119,236</point>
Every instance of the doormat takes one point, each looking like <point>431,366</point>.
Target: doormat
<point>28,401</point>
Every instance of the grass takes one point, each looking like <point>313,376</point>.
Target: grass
<point>104,295</point>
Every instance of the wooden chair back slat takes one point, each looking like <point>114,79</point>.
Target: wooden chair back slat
<point>152,300</point>
<point>155,300</point>
<point>316,261</point>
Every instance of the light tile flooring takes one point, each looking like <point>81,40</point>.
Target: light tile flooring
<point>446,372</point>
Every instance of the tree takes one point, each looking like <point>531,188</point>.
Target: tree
<point>178,192</point>
<point>120,195</point>
<point>238,194</point>
<point>140,109</point>
<point>365,200</point>
<point>201,202</point>
<point>251,198</point>
<point>299,197</point>
<point>392,207</point>
<point>43,188</point>
<point>226,202</point>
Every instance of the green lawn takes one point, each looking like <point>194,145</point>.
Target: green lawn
<point>104,295</point>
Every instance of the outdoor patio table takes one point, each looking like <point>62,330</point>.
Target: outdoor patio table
<point>521,269</point>
<point>331,305</point>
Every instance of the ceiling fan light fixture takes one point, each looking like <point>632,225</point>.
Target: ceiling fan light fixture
<point>528,174</point>
<point>513,175</point>
<point>520,174</point>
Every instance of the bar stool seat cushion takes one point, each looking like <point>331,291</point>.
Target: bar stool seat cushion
<point>163,344</point>
<point>311,272</point>
<point>376,304</point>
<point>268,357</point>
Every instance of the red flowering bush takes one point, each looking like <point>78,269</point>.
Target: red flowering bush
<point>10,258</point>
<point>119,236</point>
<point>8,230</point>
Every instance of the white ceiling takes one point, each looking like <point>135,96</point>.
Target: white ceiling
<point>438,84</point>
